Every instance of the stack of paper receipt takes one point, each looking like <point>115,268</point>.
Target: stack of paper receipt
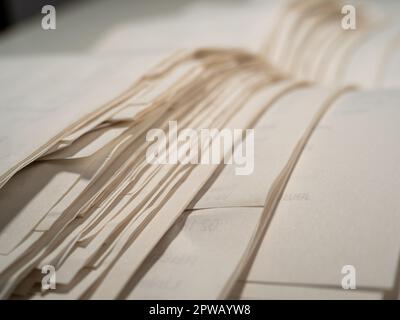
<point>255,160</point>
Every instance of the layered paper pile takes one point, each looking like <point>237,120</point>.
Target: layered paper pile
<point>78,191</point>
